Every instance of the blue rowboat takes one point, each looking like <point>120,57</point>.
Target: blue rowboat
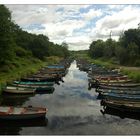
<point>34,83</point>
<point>115,96</point>
<point>133,91</point>
<point>55,67</point>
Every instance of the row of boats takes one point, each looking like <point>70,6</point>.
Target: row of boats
<point>41,82</point>
<point>115,90</point>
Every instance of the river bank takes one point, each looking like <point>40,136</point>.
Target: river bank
<point>24,68</point>
<point>132,72</point>
<point>73,109</point>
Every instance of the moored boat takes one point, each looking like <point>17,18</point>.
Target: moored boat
<point>40,79</point>
<point>122,105</point>
<point>19,113</point>
<point>137,88</point>
<point>116,96</point>
<point>33,83</point>
<point>121,84</point>
<point>119,91</point>
<point>38,88</point>
<point>18,90</point>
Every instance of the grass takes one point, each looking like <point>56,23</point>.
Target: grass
<point>132,72</point>
<point>105,63</point>
<point>102,61</point>
<point>23,67</point>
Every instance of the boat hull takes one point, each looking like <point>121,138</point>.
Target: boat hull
<point>19,113</point>
<point>8,91</point>
<point>121,107</point>
<point>22,117</point>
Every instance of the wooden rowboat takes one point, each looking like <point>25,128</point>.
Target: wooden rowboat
<point>19,113</point>
<point>34,83</point>
<point>121,97</point>
<point>121,84</point>
<point>118,91</point>
<point>109,78</point>
<point>122,105</point>
<point>38,88</point>
<point>109,81</point>
<point>18,90</point>
<point>40,79</point>
<point>119,88</point>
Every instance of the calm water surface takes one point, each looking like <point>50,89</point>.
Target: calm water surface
<point>73,110</point>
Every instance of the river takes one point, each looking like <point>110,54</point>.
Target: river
<point>72,110</point>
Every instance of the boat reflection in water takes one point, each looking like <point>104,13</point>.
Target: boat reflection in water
<point>121,114</point>
<point>15,100</point>
<point>13,127</point>
<point>24,123</point>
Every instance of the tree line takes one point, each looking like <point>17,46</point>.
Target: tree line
<point>17,43</point>
<point>125,51</point>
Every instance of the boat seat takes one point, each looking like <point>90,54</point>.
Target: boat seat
<point>11,109</point>
<point>4,109</point>
<point>17,110</point>
<point>23,111</point>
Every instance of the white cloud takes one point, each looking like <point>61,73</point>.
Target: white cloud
<point>64,22</point>
<point>116,6</point>
<point>92,14</point>
<point>117,22</point>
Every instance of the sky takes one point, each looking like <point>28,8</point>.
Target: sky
<point>77,25</point>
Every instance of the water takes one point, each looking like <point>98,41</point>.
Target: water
<point>73,110</point>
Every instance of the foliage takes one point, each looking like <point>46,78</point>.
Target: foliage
<point>16,43</point>
<point>126,51</point>
<point>6,41</point>
<point>21,53</point>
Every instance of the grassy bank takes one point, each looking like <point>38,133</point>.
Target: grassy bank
<point>132,72</point>
<point>24,67</point>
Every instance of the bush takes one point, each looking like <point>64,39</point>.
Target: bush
<point>137,63</point>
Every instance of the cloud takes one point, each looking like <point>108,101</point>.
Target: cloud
<point>117,22</point>
<point>78,25</point>
<point>92,14</point>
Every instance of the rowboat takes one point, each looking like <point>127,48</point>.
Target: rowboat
<point>118,91</point>
<point>116,96</point>
<point>55,68</point>
<point>121,114</point>
<point>33,83</point>
<point>40,79</point>
<point>18,90</point>
<point>19,113</point>
<point>109,78</point>
<point>120,84</point>
<point>122,105</point>
<point>49,75</point>
<point>119,88</point>
<point>38,88</point>
<point>114,81</point>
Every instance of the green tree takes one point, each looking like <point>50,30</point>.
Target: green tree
<point>39,46</point>
<point>133,52</point>
<point>6,40</point>
<point>96,48</point>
